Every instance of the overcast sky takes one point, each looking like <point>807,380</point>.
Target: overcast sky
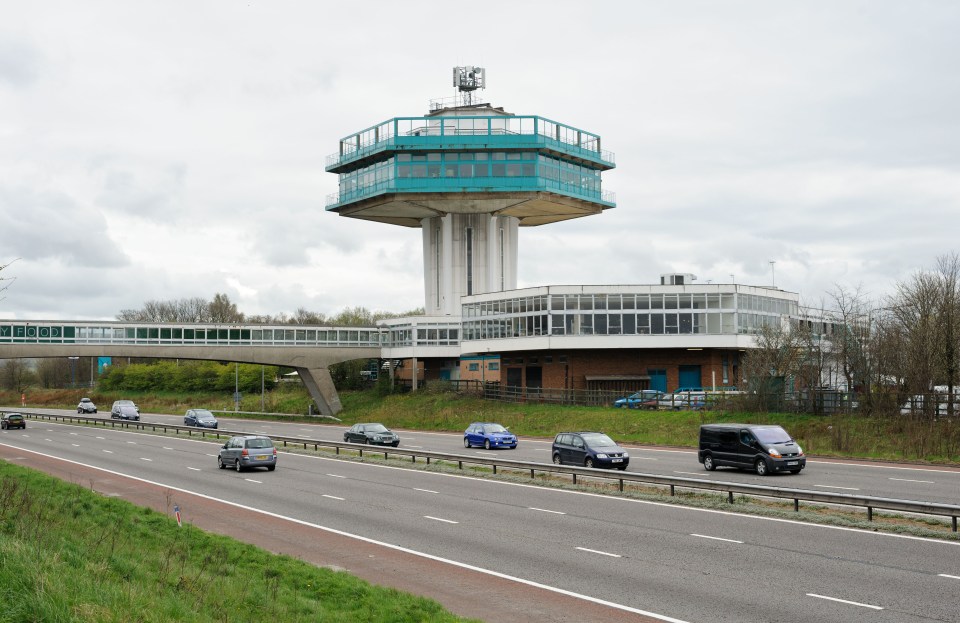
<point>164,150</point>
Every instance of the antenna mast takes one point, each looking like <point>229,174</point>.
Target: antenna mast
<point>467,80</point>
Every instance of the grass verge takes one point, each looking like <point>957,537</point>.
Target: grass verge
<point>68,554</point>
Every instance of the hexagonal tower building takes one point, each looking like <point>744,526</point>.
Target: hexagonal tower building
<point>469,176</point>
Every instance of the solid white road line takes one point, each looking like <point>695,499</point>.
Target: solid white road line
<point>929,482</point>
<point>439,519</point>
<point>844,601</point>
<point>694,473</point>
<point>425,490</point>
<point>543,510</point>
<point>716,538</point>
<point>835,487</point>
<point>332,497</point>
<point>952,577</point>
<point>414,446</point>
<point>596,551</point>
<point>486,453</point>
<point>394,547</point>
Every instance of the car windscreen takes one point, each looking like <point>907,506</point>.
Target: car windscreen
<point>494,428</point>
<point>376,428</point>
<point>598,440</point>
<point>259,443</point>
<point>126,409</point>
<point>203,414</point>
<point>771,434</point>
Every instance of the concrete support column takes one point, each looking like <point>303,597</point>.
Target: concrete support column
<point>415,375</point>
<point>320,385</point>
<point>493,255</point>
<point>448,300</point>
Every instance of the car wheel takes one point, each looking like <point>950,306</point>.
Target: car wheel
<point>3,426</point>
<point>466,442</point>
<point>556,459</point>
<point>94,410</point>
<point>760,467</point>
<point>588,462</point>
<point>79,410</point>
<point>486,444</point>
<point>220,463</point>
<point>236,465</point>
<point>708,463</point>
<point>270,468</point>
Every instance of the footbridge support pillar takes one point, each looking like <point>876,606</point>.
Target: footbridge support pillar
<point>320,385</point>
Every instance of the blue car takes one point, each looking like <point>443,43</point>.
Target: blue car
<point>488,435</point>
<point>643,399</point>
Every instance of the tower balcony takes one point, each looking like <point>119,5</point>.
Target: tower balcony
<point>458,133</point>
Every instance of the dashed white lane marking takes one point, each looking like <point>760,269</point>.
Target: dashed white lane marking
<point>541,449</point>
<point>145,459</point>
<point>596,551</point>
<point>259,482</point>
<point>544,510</point>
<point>74,434</point>
<point>336,476</point>
<point>393,546</point>
<point>844,601</point>
<point>101,437</point>
<point>835,487</point>
<point>196,469</point>
<point>109,451</point>
<point>952,577</point>
<point>207,455</point>
<point>487,453</point>
<point>643,458</point>
<point>166,448</point>
<point>929,482</point>
<point>414,446</point>
<point>425,490</point>
<point>716,538</point>
<point>50,440</point>
<point>439,519</point>
<point>75,445</point>
<point>332,497</point>
<point>132,443</point>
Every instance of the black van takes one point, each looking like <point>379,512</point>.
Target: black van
<point>762,448</point>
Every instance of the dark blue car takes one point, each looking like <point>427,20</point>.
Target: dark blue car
<point>488,435</point>
<point>643,399</point>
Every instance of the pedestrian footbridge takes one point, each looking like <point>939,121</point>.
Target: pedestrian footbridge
<point>310,350</point>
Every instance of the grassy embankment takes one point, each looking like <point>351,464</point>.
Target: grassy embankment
<point>852,436</point>
<point>68,554</point>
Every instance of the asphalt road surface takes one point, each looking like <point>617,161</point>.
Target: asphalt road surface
<point>639,558</point>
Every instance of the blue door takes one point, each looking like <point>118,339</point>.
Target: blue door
<point>690,377</point>
<point>658,380</point>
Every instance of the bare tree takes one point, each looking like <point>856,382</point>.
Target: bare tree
<point>223,310</point>
<point>15,374</point>
<point>777,359</point>
<point>6,282</point>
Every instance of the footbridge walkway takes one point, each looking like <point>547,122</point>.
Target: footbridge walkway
<point>308,349</point>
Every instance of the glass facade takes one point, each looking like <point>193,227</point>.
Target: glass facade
<point>471,170</point>
<point>681,313</point>
<point>483,154</point>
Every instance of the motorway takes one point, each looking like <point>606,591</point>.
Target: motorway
<point>888,480</point>
<point>667,562</point>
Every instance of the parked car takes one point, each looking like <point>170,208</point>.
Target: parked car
<point>643,399</point>
<point>86,406</point>
<point>683,401</point>
<point>376,434</point>
<point>115,409</point>
<point>245,451</point>
<point>12,420</point>
<point>589,449</point>
<point>199,417</point>
<point>125,412</point>
<point>763,448</point>
<point>488,435</point>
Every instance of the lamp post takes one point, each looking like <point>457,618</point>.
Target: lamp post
<point>73,371</point>
<point>773,279</point>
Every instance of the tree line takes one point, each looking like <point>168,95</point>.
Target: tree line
<point>884,351</point>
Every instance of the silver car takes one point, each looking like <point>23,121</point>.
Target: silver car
<point>246,451</point>
<point>86,406</point>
